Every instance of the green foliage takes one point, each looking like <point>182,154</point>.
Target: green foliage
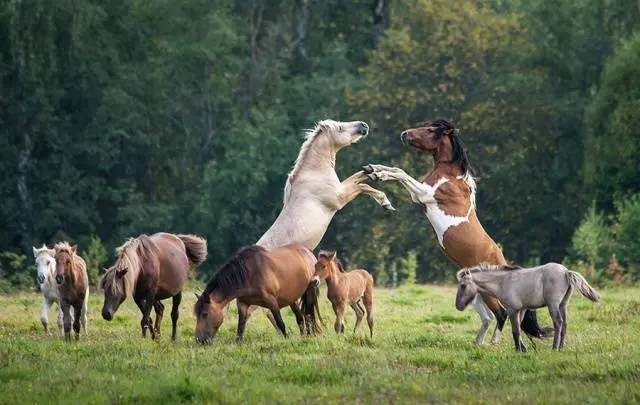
<point>628,235</point>
<point>95,256</point>
<point>408,268</point>
<point>15,274</point>
<point>592,241</point>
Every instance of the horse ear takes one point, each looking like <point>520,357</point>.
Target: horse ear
<point>197,295</point>
<point>332,256</point>
<point>105,269</point>
<point>74,249</point>
<point>35,251</point>
<point>121,272</point>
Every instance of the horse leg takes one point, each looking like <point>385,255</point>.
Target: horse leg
<point>367,300</point>
<point>563,332</point>
<point>243,310</point>
<point>269,316</point>
<point>85,308</point>
<point>515,328</point>
<point>145,306</point>
<point>159,309</point>
<point>66,319</point>
<point>339,309</point>
<point>299,317</point>
<point>77,310</point>
<point>419,192</point>
<point>275,310</point>
<point>556,317</point>
<point>175,313</point>
<point>353,186</point>
<point>44,314</point>
<point>485,318</point>
<point>359,316</point>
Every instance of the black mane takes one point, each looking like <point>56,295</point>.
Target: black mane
<point>235,273</point>
<point>459,152</point>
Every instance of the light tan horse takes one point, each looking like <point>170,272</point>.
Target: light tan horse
<point>151,269</point>
<point>313,192</point>
<point>448,195</point>
<point>345,288</point>
<point>272,279</point>
<point>73,287</point>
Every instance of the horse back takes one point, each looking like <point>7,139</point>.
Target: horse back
<point>80,273</point>
<point>287,271</point>
<point>167,264</point>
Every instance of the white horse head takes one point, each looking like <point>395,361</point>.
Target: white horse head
<point>46,264</point>
<point>340,134</point>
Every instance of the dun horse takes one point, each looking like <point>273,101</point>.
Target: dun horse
<point>73,288</point>
<point>272,279</point>
<point>353,288</point>
<point>151,269</point>
<point>448,193</point>
<point>46,273</point>
<point>548,285</point>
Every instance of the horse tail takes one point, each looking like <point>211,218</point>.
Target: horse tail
<point>83,311</point>
<point>576,280</point>
<point>311,309</point>
<point>367,299</point>
<point>195,247</point>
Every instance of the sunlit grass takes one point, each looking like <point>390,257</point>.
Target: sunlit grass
<point>422,352</point>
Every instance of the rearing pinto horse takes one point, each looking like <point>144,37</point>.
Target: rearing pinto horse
<point>448,194</point>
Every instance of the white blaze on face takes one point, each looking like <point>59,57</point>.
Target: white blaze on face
<point>440,220</point>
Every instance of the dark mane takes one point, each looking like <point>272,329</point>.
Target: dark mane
<point>235,273</point>
<point>459,150</point>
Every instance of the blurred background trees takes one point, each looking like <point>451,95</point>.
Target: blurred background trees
<point>126,117</point>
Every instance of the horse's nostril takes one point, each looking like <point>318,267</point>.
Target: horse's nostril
<point>363,128</point>
<point>59,279</point>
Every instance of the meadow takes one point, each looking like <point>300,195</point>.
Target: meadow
<point>421,352</point>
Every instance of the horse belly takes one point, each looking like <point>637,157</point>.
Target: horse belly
<point>305,224</point>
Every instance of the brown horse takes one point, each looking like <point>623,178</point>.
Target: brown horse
<point>272,279</point>
<point>447,193</point>
<point>73,287</point>
<point>345,288</point>
<point>151,269</point>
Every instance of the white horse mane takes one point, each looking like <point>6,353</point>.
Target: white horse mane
<point>309,137</point>
<point>485,267</point>
<point>471,182</point>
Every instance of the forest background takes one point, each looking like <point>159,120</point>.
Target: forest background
<point>128,116</point>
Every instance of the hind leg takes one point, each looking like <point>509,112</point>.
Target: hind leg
<point>159,309</point>
<point>486,316</point>
<point>367,300</point>
<point>359,316</point>
<point>175,314</point>
<point>556,316</point>
<point>299,317</point>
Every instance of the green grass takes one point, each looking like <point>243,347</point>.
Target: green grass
<point>422,352</point>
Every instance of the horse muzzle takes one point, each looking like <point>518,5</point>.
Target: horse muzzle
<point>315,282</point>
<point>362,128</point>
<point>107,315</point>
<point>40,278</point>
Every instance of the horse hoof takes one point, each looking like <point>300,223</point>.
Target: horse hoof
<point>388,207</point>
<point>368,169</point>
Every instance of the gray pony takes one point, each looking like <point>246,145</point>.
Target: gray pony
<point>548,285</point>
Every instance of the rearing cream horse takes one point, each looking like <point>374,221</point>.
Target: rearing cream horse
<point>313,192</point>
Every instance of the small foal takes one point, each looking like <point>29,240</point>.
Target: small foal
<point>548,285</point>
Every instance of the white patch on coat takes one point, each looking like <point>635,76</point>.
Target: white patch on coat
<point>440,220</point>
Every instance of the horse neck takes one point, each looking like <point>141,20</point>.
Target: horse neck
<point>216,296</point>
<point>335,277</point>
<point>489,282</point>
<point>318,155</point>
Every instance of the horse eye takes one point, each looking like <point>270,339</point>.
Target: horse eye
<point>204,314</point>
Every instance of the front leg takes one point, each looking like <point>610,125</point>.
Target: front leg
<point>354,186</point>
<point>514,317</point>
<point>243,310</point>
<point>66,319</point>
<point>44,314</point>
<point>420,193</point>
<point>145,306</point>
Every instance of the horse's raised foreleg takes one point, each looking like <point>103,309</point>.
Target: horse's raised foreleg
<point>353,186</point>
<point>159,309</point>
<point>420,193</point>
<point>243,315</point>
<point>175,313</point>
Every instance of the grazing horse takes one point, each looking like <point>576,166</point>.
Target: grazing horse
<point>448,194</point>
<point>151,269</point>
<point>345,288</point>
<point>73,288</point>
<point>46,273</point>
<point>548,285</point>
<point>313,192</point>
<point>272,279</point>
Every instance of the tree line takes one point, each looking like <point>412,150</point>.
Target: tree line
<point>126,117</point>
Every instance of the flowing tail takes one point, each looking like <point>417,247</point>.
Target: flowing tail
<point>577,281</point>
<point>83,312</point>
<point>196,248</point>
<point>311,310</point>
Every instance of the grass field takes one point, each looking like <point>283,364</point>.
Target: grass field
<point>422,352</point>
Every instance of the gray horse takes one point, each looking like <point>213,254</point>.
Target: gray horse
<point>548,285</point>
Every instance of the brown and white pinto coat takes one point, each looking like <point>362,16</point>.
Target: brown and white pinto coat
<point>447,193</point>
